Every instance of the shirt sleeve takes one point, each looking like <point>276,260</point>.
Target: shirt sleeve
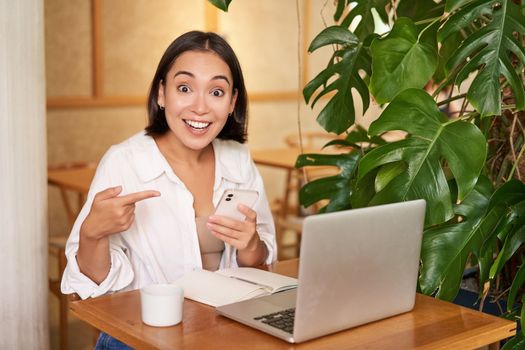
<point>265,223</point>
<point>121,273</point>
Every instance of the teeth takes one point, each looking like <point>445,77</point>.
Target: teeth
<point>196,124</point>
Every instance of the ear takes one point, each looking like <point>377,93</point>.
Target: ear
<point>160,95</point>
<point>233,100</point>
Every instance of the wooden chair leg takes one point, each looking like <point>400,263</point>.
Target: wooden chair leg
<point>63,302</point>
<point>63,332</point>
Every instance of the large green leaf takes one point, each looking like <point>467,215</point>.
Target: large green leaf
<point>221,4</point>
<point>419,10</point>
<point>445,52</point>
<point>340,7</point>
<point>403,59</point>
<point>343,73</point>
<point>338,188</point>
<point>509,202</point>
<point>433,139</point>
<point>514,238</point>
<point>363,8</point>
<point>518,281</point>
<point>358,139</point>
<point>446,248</point>
<point>452,5</point>
<point>488,51</point>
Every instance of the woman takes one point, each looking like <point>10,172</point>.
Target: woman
<point>149,216</point>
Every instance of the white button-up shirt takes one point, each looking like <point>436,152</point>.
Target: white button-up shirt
<point>162,243</point>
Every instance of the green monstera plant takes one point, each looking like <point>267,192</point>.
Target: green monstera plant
<point>468,165</point>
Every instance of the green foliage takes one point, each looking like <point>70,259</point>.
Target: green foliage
<point>433,138</point>
<point>488,50</point>
<point>396,55</point>
<point>419,10</point>
<point>441,158</point>
<point>446,248</point>
<point>362,8</point>
<point>337,188</point>
<point>344,66</point>
<point>221,4</point>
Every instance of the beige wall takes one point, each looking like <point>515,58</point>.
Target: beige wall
<point>134,34</point>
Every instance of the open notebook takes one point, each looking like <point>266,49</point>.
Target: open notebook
<point>228,286</point>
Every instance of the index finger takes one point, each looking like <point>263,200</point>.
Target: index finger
<point>132,198</point>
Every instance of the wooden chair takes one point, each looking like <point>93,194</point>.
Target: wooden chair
<point>57,244</point>
<point>288,215</point>
<point>290,220</point>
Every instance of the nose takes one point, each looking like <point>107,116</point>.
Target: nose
<point>200,105</point>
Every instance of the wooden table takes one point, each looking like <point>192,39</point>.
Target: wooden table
<point>283,158</point>
<point>433,324</point>
<point>73,179</point>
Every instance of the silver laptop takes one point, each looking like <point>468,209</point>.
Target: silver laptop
<point>356,266</point>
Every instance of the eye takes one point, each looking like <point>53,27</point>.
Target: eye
<point>183,88</point>
<point>217,93</point>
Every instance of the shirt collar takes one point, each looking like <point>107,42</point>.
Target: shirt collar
<point>150,163</point>
<point>227,165</point>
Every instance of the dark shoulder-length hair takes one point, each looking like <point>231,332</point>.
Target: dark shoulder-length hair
<point>236,125</point>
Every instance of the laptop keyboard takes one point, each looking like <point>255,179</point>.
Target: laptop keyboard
<point>282,319</point>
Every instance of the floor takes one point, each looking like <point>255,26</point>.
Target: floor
<point>81,336</point>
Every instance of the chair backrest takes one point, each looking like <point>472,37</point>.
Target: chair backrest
<point>312,140</point>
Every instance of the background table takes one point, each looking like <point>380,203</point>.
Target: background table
<point>433,324</point>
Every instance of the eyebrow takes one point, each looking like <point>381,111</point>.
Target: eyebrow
<point>217,77</point>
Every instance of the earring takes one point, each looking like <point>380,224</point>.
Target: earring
<point>230,114</point>
<point>161,107</point>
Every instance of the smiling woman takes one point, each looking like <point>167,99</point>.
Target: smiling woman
<point>149,215</point>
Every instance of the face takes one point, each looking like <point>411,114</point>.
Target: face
<point>197,97</point>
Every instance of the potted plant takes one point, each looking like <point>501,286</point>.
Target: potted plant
<point>468,165</point>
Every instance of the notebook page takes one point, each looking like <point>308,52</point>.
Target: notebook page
<point>273,282</point>
<point>215,289</point>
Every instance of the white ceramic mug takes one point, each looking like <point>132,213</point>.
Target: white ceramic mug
<point>161,304</point>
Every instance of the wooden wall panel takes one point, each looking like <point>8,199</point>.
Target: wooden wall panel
<point>68,48</point>
<point>264,36</point>
<point>85,135</point>
<point>134,38</point>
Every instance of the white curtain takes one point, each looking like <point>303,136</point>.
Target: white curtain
<point>23,191</point>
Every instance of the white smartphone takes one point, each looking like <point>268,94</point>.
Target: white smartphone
<point>230,200</point>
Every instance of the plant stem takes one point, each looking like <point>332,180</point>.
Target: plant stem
<point>299,126</point>
<point>427,21</point>
<point>448,100</point>
<point>511,143</point>
<point>432,21</point>
<point>515,164</point>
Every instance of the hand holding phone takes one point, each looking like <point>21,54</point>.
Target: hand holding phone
<point>236,228</point>
<point>230,200</point>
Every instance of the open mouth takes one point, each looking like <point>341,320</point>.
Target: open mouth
<point>197,125</point>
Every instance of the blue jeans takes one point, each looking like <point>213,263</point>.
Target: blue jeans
<point>107,342</point>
